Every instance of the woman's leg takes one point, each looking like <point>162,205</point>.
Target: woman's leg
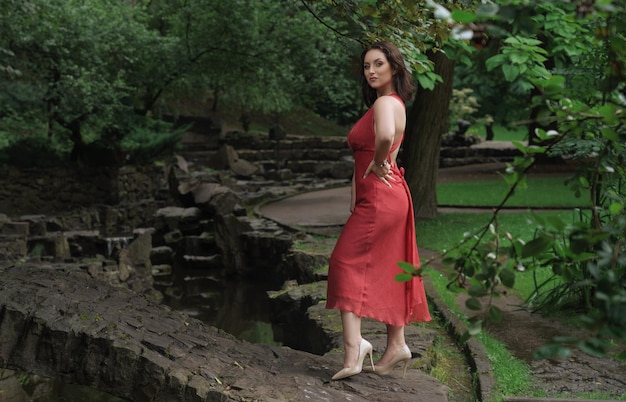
<point>351,338</point>
<point>395,342</point>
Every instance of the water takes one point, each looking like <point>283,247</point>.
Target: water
<point>240,307</point>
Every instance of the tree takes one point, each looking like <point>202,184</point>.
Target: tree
<point>428,118</point>
<point>424,41</point>
<point>269,56</point>
<point>81,65</point>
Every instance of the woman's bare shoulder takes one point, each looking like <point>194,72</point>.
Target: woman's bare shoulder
<point>388,102</point>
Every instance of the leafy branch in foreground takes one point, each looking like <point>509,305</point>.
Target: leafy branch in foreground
<point>587,258</point>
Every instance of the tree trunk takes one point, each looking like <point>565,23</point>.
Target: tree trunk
<point>489,133</point>
<point>427,121</point>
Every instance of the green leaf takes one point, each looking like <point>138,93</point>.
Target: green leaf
<point>611,113</point>
<point>592,347</point>
<point>425,82</point>
<point>495,314</point>
<point>463,17</point>
<point>403,277</point>
<point>609,133</point>
<point>494,61</point>
<point>521,147</point>
<point>556,222</point>
<point>477,291</point>
<point>616,208</point>
<point>511,72</point>
<point>488,9</point>
<point>536,246</point>
<point>406,267</point>
<point>473,304</point>
<point>475,327</point>
<point>507,276</point>
<point>519,58</point>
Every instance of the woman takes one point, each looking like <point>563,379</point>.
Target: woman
<point>380,231</point>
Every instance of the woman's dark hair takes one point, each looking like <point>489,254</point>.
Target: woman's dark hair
<point>402,79</point>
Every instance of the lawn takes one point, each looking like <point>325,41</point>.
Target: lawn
<point>513,376</point>
<point>501,133</point>
<point>449,229</point>
<point>540,192</point>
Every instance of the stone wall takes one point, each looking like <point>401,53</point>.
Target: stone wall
<point>46,191</point>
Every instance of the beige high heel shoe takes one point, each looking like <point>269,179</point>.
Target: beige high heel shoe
<point>365,348</point>
<point>402,355</point>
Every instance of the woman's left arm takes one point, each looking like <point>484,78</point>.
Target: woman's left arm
<point>385,130</point>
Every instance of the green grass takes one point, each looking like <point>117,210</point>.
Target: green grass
<point>449,228</point>
<point>513,376</point>
<point>501,133</point>
<point>546,192</point>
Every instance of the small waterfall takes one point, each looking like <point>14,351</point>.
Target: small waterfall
<point>121,242</point>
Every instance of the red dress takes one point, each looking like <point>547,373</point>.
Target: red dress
<point>379,233</point>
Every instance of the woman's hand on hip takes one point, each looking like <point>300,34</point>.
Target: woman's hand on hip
<point>383,172</point>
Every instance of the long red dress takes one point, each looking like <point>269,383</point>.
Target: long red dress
<point>379,233</point>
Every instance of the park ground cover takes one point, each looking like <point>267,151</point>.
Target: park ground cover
<point>549,197</point>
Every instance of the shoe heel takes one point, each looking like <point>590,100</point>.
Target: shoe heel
<point>406,365</point>
<point>372,361</point>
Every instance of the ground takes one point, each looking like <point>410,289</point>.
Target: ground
<point>520,331</point>
<point>523,332</point>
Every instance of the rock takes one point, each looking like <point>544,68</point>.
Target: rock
<point>227,158</point>
<point>341,169</point>
<point>228,236</point>
<point>126,345</point>
<point>264,251</point>
<point>300,266</point>
<point>277,132</point>
<point>215,199</point>
<point>161,255</point>
<point>14,228</point>
<point>291,323</point>
<point>62,248</point>
<point>138,257</point>
<point>177,218</point>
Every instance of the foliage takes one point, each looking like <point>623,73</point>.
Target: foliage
<point>81,64</point>
<point>270,56</point>
<point>409,25</point>
<point>85,70</point>
<point>464,106</point>
<point>150,141</point>
<point>589,257</point>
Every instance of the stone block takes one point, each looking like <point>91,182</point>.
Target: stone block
<point>14,228</point>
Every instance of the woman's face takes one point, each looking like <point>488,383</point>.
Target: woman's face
<point>378,71</point>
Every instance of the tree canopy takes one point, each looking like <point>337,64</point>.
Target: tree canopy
<point>88,71</point>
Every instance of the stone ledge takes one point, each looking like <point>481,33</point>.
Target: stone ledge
<point>474,352</point>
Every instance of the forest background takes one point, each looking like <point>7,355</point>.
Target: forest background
<point>81,78</point>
